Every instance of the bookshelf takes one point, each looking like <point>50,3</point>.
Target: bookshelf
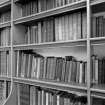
<point>53,48</point>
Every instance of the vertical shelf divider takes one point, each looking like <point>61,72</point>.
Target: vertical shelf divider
<point>88,52</point>
<point>10,97</point>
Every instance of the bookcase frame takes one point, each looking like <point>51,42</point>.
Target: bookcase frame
<point>85,42</point>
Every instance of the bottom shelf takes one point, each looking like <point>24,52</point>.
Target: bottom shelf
<point>34,95</point>
<point>98,101</point>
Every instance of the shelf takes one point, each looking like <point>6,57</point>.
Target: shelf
<point>59,10</point>
<point>99,88</point>
<point>56,11</point>
<point>76,89</point>
<point>72,43</point>
<point>6,5</point>
<point>5,48</point>
<point>5,78</point>
<point>6,24</point>
<point>95,2</point>
<point>97,40</point>
<point>98,92</point>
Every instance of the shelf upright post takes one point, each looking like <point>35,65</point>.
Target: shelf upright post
<point>88,52</point>
<point>12,26</point>
<point>11,53</point>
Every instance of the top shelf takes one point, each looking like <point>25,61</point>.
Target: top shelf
<point>56,11</point>
<point>53,12</point>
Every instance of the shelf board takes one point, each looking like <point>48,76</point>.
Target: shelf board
<point>98,91</point>
<point>5,48</point>
<point>76,89</point>
<point>95,2</point>
<point>5,78</point>
<point>97,40</point>
<point>6,5</point>
<point>56,11</point>
<point>60,44</point>
<point>5,24</point>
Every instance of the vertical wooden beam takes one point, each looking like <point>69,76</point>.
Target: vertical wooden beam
<point>11,52</point>
<point>88,52</point>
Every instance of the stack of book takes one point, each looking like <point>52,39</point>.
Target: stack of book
<point>98,101</point>
<point>2,92</point>
<point>60,69</point>
<point>5,36</point>
<point>98,72</point>
<point>5,69</point>
<point>23,93</point>
<point>32,7</point>
<point>29,8</point>
<point>31,95</point>
<point>5,17</point>
<point>67,27</point>
<point>98,26</point>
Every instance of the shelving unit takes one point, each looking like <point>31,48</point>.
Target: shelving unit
<point>81,49</point>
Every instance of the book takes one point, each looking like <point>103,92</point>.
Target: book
<point>5,36</point>
<point>5,17</point>
<point>62,69</point>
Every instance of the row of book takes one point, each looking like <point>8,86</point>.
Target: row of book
<point>98,101</point>
<point>36,6</point>
<point>5,64</point>
<point>31,95</point>
<point>60,69</point>
<point>5,36</point>
<point>98,70</point>
<point>5,17</point>
<point>67,27</point>
<point>4,91</point>
<point>98,26</point>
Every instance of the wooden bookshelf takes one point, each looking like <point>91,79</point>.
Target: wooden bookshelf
<point>81,49</point>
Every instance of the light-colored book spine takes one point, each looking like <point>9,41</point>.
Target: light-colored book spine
<point>60,28</point>
<point>38,67</point>
<point>58,99</point>
<point>18,93</point>
<point>47,97</point>
<point>80,77</point>
<point>74,26</point>
<point>62,32</point>
<point>66,27</point>
<point>23,65</point>
<point>96,70</point>
<point>31,95</point>
<point>84,25</point>
<point>17,68</point>
<point>33,67</point>
<point>39,32</point>
<point>79,24</point>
